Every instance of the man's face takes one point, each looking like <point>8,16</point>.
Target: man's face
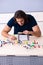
<point>20,21</point>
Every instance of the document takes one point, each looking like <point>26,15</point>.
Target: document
<point>23,37</point>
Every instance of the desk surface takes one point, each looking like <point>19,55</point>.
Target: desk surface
<point>18,49</point>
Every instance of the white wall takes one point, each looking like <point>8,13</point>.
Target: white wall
<point>4,18</point>
<point>26,5</point>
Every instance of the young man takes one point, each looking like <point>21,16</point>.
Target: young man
<point>22,22</point>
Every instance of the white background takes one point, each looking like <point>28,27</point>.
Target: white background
<point>26,5</point>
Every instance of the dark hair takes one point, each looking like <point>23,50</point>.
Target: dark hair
<point>20,14</point>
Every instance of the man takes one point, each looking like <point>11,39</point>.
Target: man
<point>22,22</point>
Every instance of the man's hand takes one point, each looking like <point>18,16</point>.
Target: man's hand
<point>25,32</point>
<point>12,37</point>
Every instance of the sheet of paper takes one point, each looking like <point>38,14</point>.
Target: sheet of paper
<point>23,37</point>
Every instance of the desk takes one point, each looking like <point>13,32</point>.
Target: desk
<point>19,50</point>
<point>18,55</point>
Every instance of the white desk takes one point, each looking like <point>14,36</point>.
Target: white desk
<point>18,55</point>
<point>19,50</point>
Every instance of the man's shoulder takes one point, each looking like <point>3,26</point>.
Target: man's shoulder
<point>29,16</point>
<point>12,19</point>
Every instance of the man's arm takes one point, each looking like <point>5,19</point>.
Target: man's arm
<point>36,31</point>
<point>5,33</point>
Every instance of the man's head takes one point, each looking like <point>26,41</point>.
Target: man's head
<point>20,17</point>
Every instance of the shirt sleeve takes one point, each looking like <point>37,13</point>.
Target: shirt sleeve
<point>10,22</point>
<point>33,21</point>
